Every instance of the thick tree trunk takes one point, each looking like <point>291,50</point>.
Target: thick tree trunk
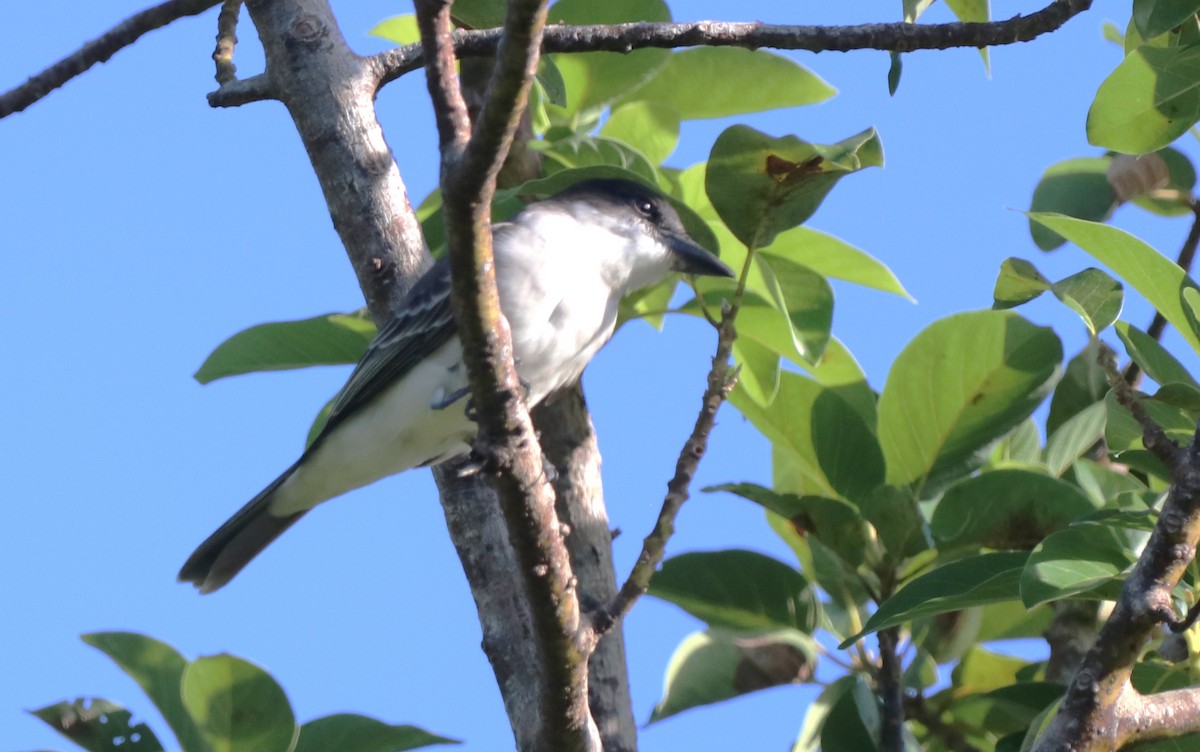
<point>329,92</point>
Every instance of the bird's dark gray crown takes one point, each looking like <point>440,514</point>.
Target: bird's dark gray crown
<point>619,195</point>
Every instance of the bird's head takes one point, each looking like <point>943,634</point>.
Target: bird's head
<point>651,239</point>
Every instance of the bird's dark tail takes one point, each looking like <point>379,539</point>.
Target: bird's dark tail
<point>227,551</point>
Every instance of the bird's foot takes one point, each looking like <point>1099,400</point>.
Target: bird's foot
<point>474,464</point>
<point>451,398</point>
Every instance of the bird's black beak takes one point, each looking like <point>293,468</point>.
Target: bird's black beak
<point>690,258</point>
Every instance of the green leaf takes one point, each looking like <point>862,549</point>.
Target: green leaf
<point>806,300</point>
<point>737,590</point>
<point>1010,620</point>
<point>1021,446</point>
<point>1075,437</point>
<point>895,71</point>
<point>1018,283</point>
<point>98,725</point>
<point>834,522</point>
<point>786,308</point>
<point>1158,279</point>
<point>1112,33</point>
<point>817,715</point>
<point>346,732</point>
<point>833,257</point>
<point>1101,482</point>
<point>1006,710</point>
<point>1094,295</point>
<point>1091,293</point>
<point>332,339</point>
<point>1154,17</point>
<point>650,127</point>
<point>853,721</point>
<point>839,372</point>
<point>717,665</point>
<point>1006,509</point>
<point>973,11</point>
<point>238,706</point>
<point>399,29</point>
<point>594,79</point>
<point>1151,99</point>
<point>981,670</point>
<point>649,304</point>
<point>1075,187</point>
<point>914,8</point>
<point>1086,558</point>
<point>969,11</point>
<point>1083,384</point>
<point>898,522</point>
<point>823,434</point>
<point>589,151</point>
<point>714,82</point>
<point>1185,35</point>
<point>974,581</point>
<point>478,14</point>
<point>1184,396</point>
<point>958,386</point>
<point>759,374</point>
<point>1152,357</point>
<point>761,186</point>
<point>551,81</point>
<point>158,669</point>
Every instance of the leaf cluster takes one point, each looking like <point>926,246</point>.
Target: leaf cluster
<point>218,703</point>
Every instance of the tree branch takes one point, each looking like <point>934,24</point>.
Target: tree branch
<point>1164,715</point>
<point>891,691</point>
<point>506,441</point>
<point>98,50</point>
<point>721,379</point>
<point>1101,710</point>
<point>226,41</point>
<point>891,37</point>
<point>569,441</point>
<point>331,100</point>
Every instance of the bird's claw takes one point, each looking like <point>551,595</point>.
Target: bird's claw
<point>451,398</point>
<point>472,465</point>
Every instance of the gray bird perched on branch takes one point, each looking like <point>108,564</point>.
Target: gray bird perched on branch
<point>562,267</point>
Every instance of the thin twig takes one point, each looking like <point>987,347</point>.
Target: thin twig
<point>1101,709</point>
<point>1187,254</point>
<point>226,41</point>
<point>892,37</point>
<point>890,678</point>
<point>471,161</point>
<point>721,379</point>
<point>98,50</point>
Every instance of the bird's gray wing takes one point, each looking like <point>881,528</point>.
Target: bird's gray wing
<point>419,327</point>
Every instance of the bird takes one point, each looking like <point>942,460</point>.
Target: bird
<point>562,266</point>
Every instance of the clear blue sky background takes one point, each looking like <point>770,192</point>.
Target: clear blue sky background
<point>140,228</point>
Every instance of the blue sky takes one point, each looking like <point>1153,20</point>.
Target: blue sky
<point>141,228</point>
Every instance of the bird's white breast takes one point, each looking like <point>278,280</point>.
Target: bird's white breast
<point>557,322</point>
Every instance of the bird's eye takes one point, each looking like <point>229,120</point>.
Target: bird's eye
<point>645,207</point>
